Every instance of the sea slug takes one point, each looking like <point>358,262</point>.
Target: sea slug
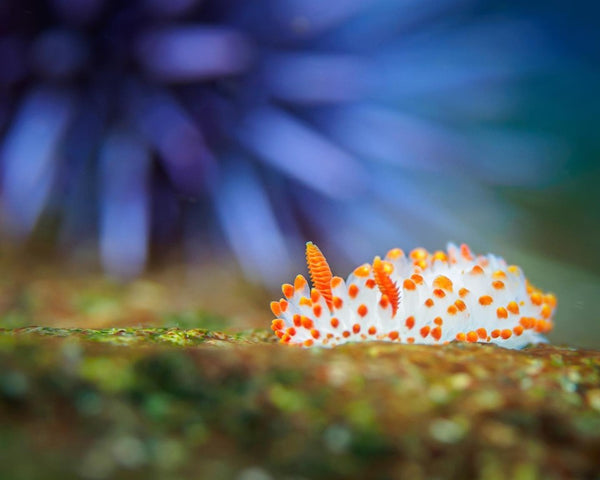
<point>427,298</point>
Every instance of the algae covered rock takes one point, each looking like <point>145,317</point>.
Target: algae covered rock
<point>129,403</point>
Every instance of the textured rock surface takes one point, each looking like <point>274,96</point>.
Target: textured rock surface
<point>175,403</point>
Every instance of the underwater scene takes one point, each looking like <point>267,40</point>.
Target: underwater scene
<point>295,239</point>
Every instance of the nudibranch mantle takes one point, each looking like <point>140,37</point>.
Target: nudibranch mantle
<point>422,297</point>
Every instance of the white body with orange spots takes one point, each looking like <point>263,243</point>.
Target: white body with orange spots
<point>423,298</point>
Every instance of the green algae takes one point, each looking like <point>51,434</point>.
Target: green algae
<point>138,336</point>
<point>181,403</point>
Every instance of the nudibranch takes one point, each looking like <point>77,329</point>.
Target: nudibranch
<point>422,297</point>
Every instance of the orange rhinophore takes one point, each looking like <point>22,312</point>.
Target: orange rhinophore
<point>320,273</point>
<point>387,287</point>
<point>428,298</point>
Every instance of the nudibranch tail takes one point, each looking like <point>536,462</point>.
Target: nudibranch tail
<point>320,273</point>
<point>429,298</point>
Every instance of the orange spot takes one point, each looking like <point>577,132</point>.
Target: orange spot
<point>317,310</point>
<point>512,307</point>
<point>335,322</point>
<point>440,256</point>
<point>438,321</point>
<point>315,333</point>
<point>362,271</point>
<point>372,331</point>
<point>513,269</point>
<point>463,292</point>
<point>329,335</point>
<point>429,303</point>
<point>461,337</point>
<point>547,326</point>
<point>291,331</point>
<point>485,300</point>
<point>384,302</point>
<point>546,311</point>
<point>288,290</point>
<point>307,322</point>
<point>356,328</point>
<point>387,267</point>
<point>336,282</point>
<point>536,298</point>
<point>320,273</point>
<point>422,264</point>
<point>476,270</point>
<point>410,340</point>
<point>337,302</point>
<point>498,284</point>
<point>452,309</point>
<point>465,251</point>
<point>472,336</point>
<point>299,282</point>
<point>518,330</point>
<point>386,285</point>
<point>276,308</point>
<point>395,253</point>
<point>527,322</point>
<point>286,338</point>
<point>408,284</point>
<point>277,324</point>
<point>550,299</point>
<point>346,334</point>
<point>532,322</point>
<point>460,305</point>
<point>305,301</point>
<point>501,312</point>
<point>362,310</point>
<point>353,291</point>
<point>419,254</point>
<point>495,333</point>
<point>443,282</point>
<point>279,333</point>
<point>425,331</point>
<point>370,283</point>
<point>498,274</point>
<point>539,325</point>
<point>283,304</point>
<point>393,335</point>
<point>482,333</point>
<point>297,320</point>
<point>438,292</point>
<point>436,333</point>
<point>308,343</point>
<point>506,334</point>
<point>410,322</point>
<point>418,279</point>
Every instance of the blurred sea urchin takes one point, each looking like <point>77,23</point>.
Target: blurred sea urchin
<point>356,122</point>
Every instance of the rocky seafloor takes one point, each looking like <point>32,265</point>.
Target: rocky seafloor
<point>175,403</point>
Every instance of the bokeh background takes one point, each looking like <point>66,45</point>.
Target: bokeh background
<point>216,137</point>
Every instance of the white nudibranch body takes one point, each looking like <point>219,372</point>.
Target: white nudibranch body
<point>426,298</point>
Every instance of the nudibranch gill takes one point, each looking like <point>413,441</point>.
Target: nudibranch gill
<point>422,297</point>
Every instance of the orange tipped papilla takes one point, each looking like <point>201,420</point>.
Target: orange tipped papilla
<point>320,273</point>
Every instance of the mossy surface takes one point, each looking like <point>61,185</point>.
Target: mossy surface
<point>175,403</point>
